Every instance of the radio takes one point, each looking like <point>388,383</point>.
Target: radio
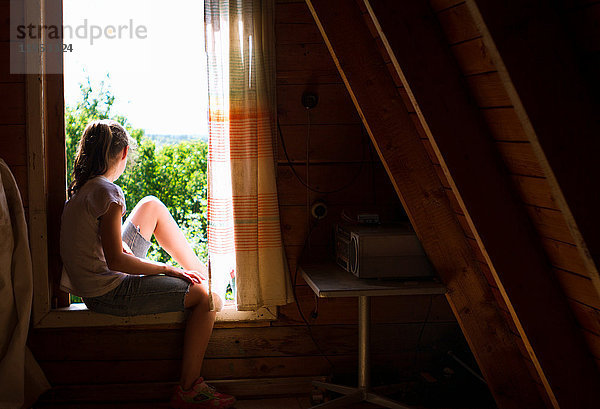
<point>381,251</point>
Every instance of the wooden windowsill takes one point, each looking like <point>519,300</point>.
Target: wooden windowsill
<point>77,315</point>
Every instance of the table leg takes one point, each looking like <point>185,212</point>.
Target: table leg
<point>364,324</point>
<point>364,366</point>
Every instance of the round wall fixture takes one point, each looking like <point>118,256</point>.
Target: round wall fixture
<point>309,100</point>
<point>318,210</point>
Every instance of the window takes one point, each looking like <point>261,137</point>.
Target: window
<point>155,85</point>
<point>47,170</point>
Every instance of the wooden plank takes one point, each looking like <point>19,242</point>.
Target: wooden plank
<point>312,252</point>
<point>382,51</point>
<point>34,112</point>
<point>334,107</point>
<point>593,342</point>
<point>543,77</point>
<point>454,202</point>
<point>293,13</point>
<point>13,145</point>
<point>520,159</point>
<point>472,57</point>
<point>56,171</point>
<point>20,174</point>
<point>476,250</point>
<point>305,64</point>
<point>488,91</point>
<point>101,372</point>
<point>262,403</point>
<point>442,176</point>
<point>534,191</point>
<point>564,256</point>
<point>12,103</point>
<point>489,276</point>
<point>439,5</point>
<point>578,288</point>
<point>5,17</point>
<point>307,76</point>
<point>297,34</point>
<point>325,142</point>
<point>504,124</point>
<point>430,151</point>
<point>588,317</point>
<point>134,371</point>
<point>152,391</point>
<point>149,344</point>
<point>69,345</point>
<point>387,120</point>
<point>394,74</point>
<point>458,24</point>
<point>407,102</point>
<point>354,180</point>
<point>294,224</point>
<point>500,223</point>
<point>5,64</point>
<point>550,224</point>
<point>464,223</point>
<point>433,308</point>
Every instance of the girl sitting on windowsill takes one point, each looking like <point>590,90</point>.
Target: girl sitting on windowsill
<point>105,264</point>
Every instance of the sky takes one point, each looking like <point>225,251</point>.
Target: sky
<point>157,69</point>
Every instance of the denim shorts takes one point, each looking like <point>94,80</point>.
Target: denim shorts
<point>140,294</point>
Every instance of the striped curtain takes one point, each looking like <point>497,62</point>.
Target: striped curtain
<point>244,233</point>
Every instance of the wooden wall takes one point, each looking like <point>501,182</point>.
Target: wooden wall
<point>482,79</point>
<point>13,144</point>
<point>91,361</point>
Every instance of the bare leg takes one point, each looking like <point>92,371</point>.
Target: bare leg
<point>153,217</point>
<point>197,334</point>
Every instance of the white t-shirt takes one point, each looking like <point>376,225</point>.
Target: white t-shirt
<point>85,272</point>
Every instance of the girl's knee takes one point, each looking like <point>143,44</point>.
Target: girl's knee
<point>198,294</point>
<point>151,201</point>
<point>149,205</point>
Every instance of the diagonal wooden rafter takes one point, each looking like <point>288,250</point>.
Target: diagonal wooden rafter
<point>418,50</point>
<point>539,69</point>
<point>396,140</point>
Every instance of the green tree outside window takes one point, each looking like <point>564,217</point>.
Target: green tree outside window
<point>174,173</point>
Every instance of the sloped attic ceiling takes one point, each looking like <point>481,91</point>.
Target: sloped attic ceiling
<point>440,126</point>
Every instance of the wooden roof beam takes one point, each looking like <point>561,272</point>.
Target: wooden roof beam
<point>464,146</point>
<point>538,66</point>
<point>395,138</point>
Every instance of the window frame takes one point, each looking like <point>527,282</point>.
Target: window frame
<point>47,193</point>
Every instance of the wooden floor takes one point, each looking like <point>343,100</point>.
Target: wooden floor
<point>274,403</point>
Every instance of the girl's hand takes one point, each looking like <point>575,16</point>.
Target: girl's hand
<point>193,277</point>
<point>202,275</point>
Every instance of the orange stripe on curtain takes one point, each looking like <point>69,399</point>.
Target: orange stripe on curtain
<point>244,231</point>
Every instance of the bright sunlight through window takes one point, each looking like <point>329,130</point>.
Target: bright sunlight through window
<point>143,63</point>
